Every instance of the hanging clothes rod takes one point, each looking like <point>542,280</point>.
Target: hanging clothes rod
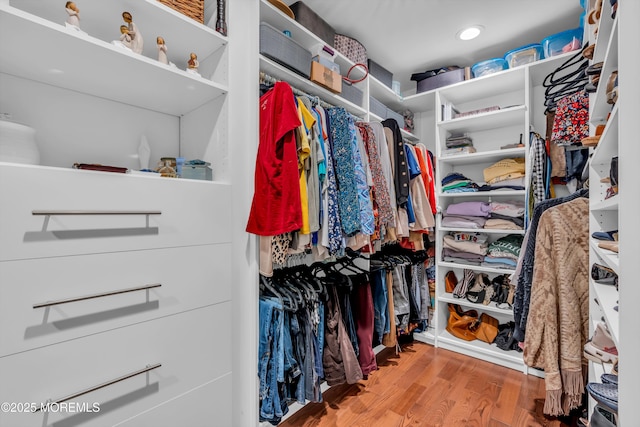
<point>267,79</point>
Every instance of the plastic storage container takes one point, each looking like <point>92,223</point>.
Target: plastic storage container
<point>378,108</point>
<point>524,55</point>
<point>489,66</point>
<point>284,50</point>
<point>559,43</point>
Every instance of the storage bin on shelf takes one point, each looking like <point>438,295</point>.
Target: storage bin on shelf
<point>351,93</point>
<point>489,66</point>
<point>524,55</point>
<point>445,78</point>
<point>562,42</point>
<point>380,73</point>
<point>378,108</point>
<point>306,17</point>
<point>284,50</point>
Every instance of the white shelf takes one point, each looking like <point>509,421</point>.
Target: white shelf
<point>282,73</point>
<point>607,297</point>
<point>490,308</point>
<point>408,135</point>
<point>610,258</point>
<point>600,108</point>
<point>426,337</point>
<point>505,117</point>
<point>385,94</point>
<point>102,20</point>
<point>485,87</point>
<point>605,27</point>
<point>486,194</point>
<point>481,350</point>
<point>111,73</point>
<point>477,268</point>
<point>421,102</point>
<point>608,145</point>
<point>610,204</point>
<point>483,156</point>
<point>480,230</point>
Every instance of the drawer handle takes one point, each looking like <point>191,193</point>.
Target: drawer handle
<point>105,384</point>
<point>50,213</point>
<point>104,294</point>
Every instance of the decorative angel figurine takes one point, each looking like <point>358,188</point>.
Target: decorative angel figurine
<point>125,38</point>
<point>136,37</point>
<point>192,64</point>
<point>74,14</point>
<point>162,50</point>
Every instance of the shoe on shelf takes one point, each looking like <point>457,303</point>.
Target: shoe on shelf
<point>614,368</point>
<point>605,394</point>
<point>601,417</point>
<point>606,235</point>
<point>609,379</point>
<point>601,348</point>
<point>588,51</point>
<point>612,87</point>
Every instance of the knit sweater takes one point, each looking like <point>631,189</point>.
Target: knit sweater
<point>558,324</point>
<point>525,278</point>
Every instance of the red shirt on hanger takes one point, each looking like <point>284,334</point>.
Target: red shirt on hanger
<point>275,208</point>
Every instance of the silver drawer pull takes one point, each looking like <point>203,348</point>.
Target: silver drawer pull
<point>103,385</point>
<point>104,294</point>
<point>50,213</point>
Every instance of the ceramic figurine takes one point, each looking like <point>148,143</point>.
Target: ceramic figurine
<point>192,64</point>
<point>74,14</point>
<point>125,38</point>
<point>162,50</point>
<point>136,37</point>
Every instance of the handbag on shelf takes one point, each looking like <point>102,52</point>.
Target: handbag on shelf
<point>460,322</point>
<point>486,328</point>
<point>450,282</point>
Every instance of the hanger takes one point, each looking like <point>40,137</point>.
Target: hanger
<point>565,81</point>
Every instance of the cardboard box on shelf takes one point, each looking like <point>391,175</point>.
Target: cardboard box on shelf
<point>325,77</point>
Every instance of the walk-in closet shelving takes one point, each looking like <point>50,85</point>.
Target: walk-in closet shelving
<point>370,86</point>
<point>513,91</point>
<point>91,101</point>
<point>604,209</point>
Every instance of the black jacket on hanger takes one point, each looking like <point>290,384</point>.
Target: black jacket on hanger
<point>402,170</point>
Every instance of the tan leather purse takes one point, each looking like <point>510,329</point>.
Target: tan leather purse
<point>485,329</point>
<point>460,322</point>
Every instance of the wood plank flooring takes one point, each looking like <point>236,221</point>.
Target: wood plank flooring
<point>431,387</point>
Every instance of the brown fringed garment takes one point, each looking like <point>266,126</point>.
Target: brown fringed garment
<point>557,326</point>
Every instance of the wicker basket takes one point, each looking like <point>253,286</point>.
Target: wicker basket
<point>192,8</point>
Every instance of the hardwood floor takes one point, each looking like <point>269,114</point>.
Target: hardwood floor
<point>427,386</point>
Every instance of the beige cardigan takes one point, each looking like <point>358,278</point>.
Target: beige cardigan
<point>558,322</point>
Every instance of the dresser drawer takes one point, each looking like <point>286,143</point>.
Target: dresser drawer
<point>207,406</point>
<point>190,277</point>
<point>193,348</point>
<point>182,212</point>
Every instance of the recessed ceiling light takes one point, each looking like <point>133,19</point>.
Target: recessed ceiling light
<point>469,33</point>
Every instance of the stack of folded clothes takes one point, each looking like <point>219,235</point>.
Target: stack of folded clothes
<point>464,248</point>
<point>507,215</point>
<point>457,183</point>
<point>457,141</point>
<point>466,215</point>
<point>506,174</point>
<point>504,252</point>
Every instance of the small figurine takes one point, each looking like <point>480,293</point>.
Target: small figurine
<point>192,64</point>
<point>125,38</point>
<point>74,15</point>
<point>136,37</point>
<point>162,50</point>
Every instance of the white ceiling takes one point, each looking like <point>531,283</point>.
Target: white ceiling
<point>410,36</point>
